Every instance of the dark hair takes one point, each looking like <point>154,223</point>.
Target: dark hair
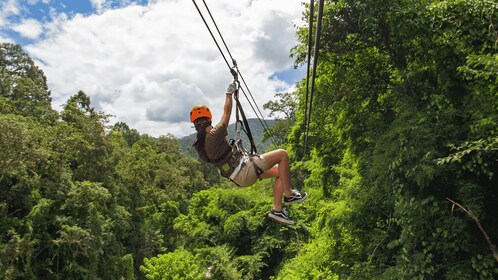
<point>200,125</point>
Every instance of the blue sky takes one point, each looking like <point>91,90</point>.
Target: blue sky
<point>148,62</point>
<point>45,10</point>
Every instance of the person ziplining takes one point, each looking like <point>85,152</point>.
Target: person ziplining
<point>238,165</point>
<point>232,160</point>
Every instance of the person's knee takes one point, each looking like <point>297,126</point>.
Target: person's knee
<point>283,154</point>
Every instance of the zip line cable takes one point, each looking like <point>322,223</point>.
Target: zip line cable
<point>217,29</point>
<point>238,108</point>
<point>315,64</point>
<point>212,35</point>
<point>263,123</point>
<point>310,38</point>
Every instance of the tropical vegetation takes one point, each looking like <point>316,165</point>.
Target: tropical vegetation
<point>401,166</point>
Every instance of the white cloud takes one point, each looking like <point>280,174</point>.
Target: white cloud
<point>29,28</point>
<point>103,5</point>
<point>33,2</point>
<point>6,39</point>
<point>98,4</point>
<point>149,65</point>
<point>7,9</point>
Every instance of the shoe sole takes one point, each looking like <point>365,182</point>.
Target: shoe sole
<point>296,201</point>
<point>280,220</point>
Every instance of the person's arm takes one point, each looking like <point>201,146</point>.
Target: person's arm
<point>227,109</point>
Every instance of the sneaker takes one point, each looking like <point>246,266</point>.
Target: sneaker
<point>296,197</point>
<point>280,217</point>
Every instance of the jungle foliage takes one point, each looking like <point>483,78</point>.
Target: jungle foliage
<point>80,199</point>
<point>405,117</point>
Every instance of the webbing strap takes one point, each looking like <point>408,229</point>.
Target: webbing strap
<point>247,129</point>
<point>221,158</point>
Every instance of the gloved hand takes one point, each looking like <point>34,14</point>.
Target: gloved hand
<point>232,88</point>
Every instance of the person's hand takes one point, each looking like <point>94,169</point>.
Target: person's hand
<point>232,88</point>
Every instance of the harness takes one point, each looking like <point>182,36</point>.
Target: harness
<point>238,158</point>
<point>242,125</point>
<point>227,167</point>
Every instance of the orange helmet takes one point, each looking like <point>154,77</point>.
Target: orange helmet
<point>200,111</point>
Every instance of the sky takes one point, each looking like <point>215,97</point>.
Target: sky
<point>148,62</point>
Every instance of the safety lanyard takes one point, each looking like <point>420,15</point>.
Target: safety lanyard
<point>239,113</point>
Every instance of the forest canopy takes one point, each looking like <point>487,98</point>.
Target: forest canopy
<point>401,166</point>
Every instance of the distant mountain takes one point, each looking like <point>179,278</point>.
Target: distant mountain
<point>257,132</point>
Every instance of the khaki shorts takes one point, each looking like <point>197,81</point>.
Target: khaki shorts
<point>247,174</point>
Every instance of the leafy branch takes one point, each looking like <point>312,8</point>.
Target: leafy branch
<point>474,152</point>
<point>481,145</point>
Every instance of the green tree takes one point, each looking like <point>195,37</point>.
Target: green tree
<point>130,135</point>
<point>88,135</point>
<point>23,86</point>
<point>399,83</point>
<point>286,105</point>
<point>179,264</point>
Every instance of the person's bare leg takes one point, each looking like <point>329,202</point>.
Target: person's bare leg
<point>278,189</point>
<point>279,159</point>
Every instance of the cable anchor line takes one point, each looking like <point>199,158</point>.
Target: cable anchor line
<point>308,54</point>
<point>315,64</point>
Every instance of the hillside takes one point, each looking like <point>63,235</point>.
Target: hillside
<point>257,131</point>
